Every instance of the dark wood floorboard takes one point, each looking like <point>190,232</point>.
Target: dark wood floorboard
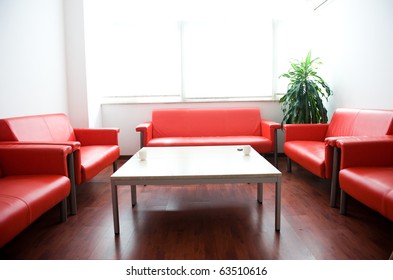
<point>208,222</point>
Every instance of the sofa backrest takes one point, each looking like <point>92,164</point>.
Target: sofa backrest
<point>206,122</point>
<point>50,127</point>
<point>360,122</point>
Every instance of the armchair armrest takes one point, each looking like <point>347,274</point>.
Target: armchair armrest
<point>305,132</point>
<point>268,129</point>
<point>362,151</point>
<point>97,136</point>
<point>34,159</point>
<point>146,130</point>
<point>333,141</point>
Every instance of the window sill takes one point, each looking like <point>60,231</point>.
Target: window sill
<point>166,100</point>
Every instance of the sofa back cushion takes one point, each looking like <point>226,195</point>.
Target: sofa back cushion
<point>206,122</point>
<point>360,122</point>
<point>51,127</point>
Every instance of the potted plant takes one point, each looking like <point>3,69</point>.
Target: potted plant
<point>303,101</point>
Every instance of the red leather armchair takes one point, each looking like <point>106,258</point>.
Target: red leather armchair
<point>33,179</point>
<point>313,146</point>
<point>93,148</point>
<point>366,174</point>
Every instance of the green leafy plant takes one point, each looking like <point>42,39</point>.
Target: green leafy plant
<point>303,101</point>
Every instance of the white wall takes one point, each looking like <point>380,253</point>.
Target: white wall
<point>358,49</point>
<point>75,63</point>
<point>32,64</point>
<point>354,40</point>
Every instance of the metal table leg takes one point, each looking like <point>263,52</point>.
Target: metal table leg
<point>133,195</point>
<point>278,204</point>
<point>115,205</point>
<point>260,193</point>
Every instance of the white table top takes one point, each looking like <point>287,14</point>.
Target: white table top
<point>195,164</point>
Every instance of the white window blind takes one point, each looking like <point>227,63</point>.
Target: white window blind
<point>223,59</point>
<point>134,49</point>
<point>145,59</point>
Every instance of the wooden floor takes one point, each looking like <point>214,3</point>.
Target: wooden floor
<point>208,222</point>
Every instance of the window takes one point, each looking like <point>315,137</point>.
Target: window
<point>145,49</point>
<point>223,59</point>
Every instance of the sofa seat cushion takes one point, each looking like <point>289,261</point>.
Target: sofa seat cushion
<point>94,159</point>
<point>14,217</point>
<point>373,186</point>
<point>259,143</point>
<point>309,154</point>
<point>39,192</point>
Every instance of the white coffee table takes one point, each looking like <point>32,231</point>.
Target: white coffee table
<point>196,165</point>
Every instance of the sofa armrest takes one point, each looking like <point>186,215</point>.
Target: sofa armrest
<point>363,151</point>
<point>268,129</point>
<point>146,130</point>
<point>97,136</point>
<point>34,159</point>
<point>75,145</point>
<point>305,132</point>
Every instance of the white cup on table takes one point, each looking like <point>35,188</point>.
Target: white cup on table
<point>142,154</point>
<point>246,150</point>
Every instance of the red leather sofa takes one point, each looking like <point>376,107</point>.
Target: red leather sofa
<point>33,179</point>
<point>210,126</point>
<point>93,148</point>
<point>313,146</point>
<point>366,174</point>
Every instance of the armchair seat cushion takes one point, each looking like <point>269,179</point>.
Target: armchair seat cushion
<point>94,159</point>
<point>373,186</point>
<point>309,154</point>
